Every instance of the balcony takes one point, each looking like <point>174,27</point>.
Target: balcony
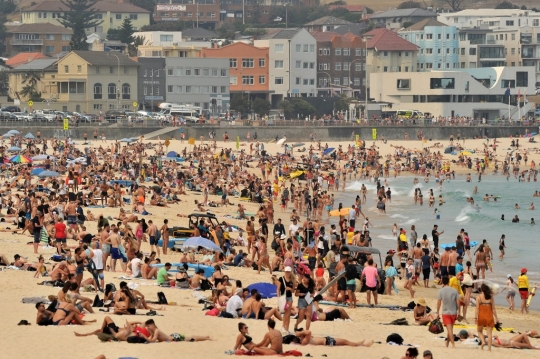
<point>27,42</point>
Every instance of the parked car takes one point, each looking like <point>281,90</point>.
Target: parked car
<point>21,116</point>
<point>10,109</point>
<point>7,116</point>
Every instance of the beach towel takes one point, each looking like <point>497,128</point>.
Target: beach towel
<point>289,353</point>
<point>95,206</point>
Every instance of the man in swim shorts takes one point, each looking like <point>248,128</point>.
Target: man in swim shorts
<point>157,335</point>
<point>305,337</point>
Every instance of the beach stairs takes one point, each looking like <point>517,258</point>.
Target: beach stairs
<point>161,132</point>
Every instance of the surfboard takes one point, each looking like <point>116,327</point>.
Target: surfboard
<point>531,295</point>
<point>332,282</point>
<point>449,245</point>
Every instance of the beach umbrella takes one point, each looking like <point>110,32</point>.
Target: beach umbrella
<point>8,135</point>
<point>282,141</point>
<point>14,149</point>
<point>37,171</point>
<point>172,154</point>
<point>339,212</point>
<point>49,174</point>
<point>266,290</point>
<point>328,151</point>
<point>43,158</point>
<point>196,242</point>
<point>20,159</point>
<point>15,132</point>
<point>29,136</point>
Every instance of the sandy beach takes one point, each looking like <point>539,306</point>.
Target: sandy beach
<point>187,316</point>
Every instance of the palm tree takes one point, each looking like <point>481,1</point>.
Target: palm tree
<point>31,78</point>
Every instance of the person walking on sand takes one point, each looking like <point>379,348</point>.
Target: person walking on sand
<point>524,289</point>
<point>448,298</point>
<point>511,295</point>
<point>486,315</point>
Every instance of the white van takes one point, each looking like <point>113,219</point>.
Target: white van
<point>189,115</point>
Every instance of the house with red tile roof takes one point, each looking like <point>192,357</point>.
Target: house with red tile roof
<point>24,58</point>
<point>387,52</point>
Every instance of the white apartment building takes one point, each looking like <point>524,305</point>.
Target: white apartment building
<point>160,38</point>
<point>478,93</point>
<point>292,63</point>
<point>491,17</point>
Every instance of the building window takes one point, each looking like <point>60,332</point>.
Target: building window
<point>206,72</point>
<point>232,63</point>
<point>170,88</point>
<point>337,81</point>
<point>442,83</point>
<point>357,52</point>
<point>49,37</point>
<point>311,65</point>
<point>346,52</point>
<point>429,36</point>
<point>98,91</point>
<point>224,72</point>
<point>98,106</point>
<point>111,91</point>
<point>509,22</point>
<point>338,66</point>
<point>337,51</point>
<point>522,79</point>
<point>357,66</point>
<point>197,72</point>
<point>262,62</point>
<point>188,72</point>
<point>214,72</point>
<point>404,84</point>
<point>278,48</point>
<point>356,81</point>
<point>311,48</point>
<point>247,63</point>
<point>278,64</point>
<point>133,16</point>
<point>79,69</point>
<point>298,64</point>
<point>233,80</point>
<point>170,72</point>
<point>214,89</point>
<point>49,49</point>
<point>188,89</point>
<point>66,69</point>
<point>247,80</point>
<point>179,71</point>
<point>278,81</point>
<point>298,48</point>
<point>165,38</point>
<point>66,48</point>
<point>262,79</point>
<point>118,16</point>
<point>345,66</point>
<point>306,48</point>
<point>111,69</point>
<point>385,69</point>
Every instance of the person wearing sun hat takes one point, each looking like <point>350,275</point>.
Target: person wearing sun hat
<point>421,316</point>
<point>524,289</point>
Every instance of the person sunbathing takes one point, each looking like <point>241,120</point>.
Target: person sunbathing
<point>259,311</point>
<point>520,341</point>
<point>109,327</point>
<point>273,339</point>
<point>67,312</point>
<point>329,314</point>
<point>125,218</point>
<point>243,339</point>
<point>305,337</point>
<point>156,335</point>
<point>44,316</point>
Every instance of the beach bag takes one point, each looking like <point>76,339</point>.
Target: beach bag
<point>275,245</point>
<point>161,298</point>
<point>394,338</point>
<point>98,303</point>
<point>467,280</point>
<point>436,326</point>
<point>282,299</point>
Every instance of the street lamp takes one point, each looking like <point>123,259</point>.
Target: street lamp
<point>350,65</point>
<point>117,86</point>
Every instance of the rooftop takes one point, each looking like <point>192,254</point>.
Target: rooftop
<point>351,8</point>
<point>105,58</point>
<point>43,28</point>
<point>357,29</point>
<point>328,20</point>
<point>387,40</point>
<point>198,32</point>
<point>39,64</point>
<point>281,34</point>
<point>103,6</point>
<point>23,58</point>
<point>420,25</point>
<point>404,13</point>
<point>491,13</point>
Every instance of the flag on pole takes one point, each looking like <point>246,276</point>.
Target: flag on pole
<point>507,92</point>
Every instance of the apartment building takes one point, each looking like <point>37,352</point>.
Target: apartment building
<point>199,81</point>
<point>395,19</point>
<point>341,64</point>
<point>387,52</point>
<point>292,63</point>
<point>112,14</point>
<point>249,68</point>
<point>46,38</point>
<point>478,93</point>
<point>491,18</point>
<point>438,44</point>
<point>87,81</point>
<point>152,80</point>
<point>159,38</point>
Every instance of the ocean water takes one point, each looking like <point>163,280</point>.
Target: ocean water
<point>481,221</point>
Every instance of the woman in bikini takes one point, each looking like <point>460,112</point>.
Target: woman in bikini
<point>67,312</point>
<point>480,263</point>
<point>243,339</point>
<point>250,229</point>
<point>264,258</point>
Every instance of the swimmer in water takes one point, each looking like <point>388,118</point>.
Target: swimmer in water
<point>502,217</point>
<point>532,222</point>
<point>516,206</point>
<point>531,206</point>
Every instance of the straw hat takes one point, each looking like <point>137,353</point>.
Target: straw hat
<point>422,302</point>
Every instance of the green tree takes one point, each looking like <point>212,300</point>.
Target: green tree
<point>506,5</point>
<point>125,35</point>
<point>7,6</point>
<point>455,5</point>
<point>239,103</point>
<point>287,108</point>
<point>261,107</point>
<point>113,34</point>
<point>30,80</point>
<point>302,108</point>
<point>342,103</point>
<point>409,5</point>
<point>4,81</point>
<point>3,33</point>
<point>79,17</point>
